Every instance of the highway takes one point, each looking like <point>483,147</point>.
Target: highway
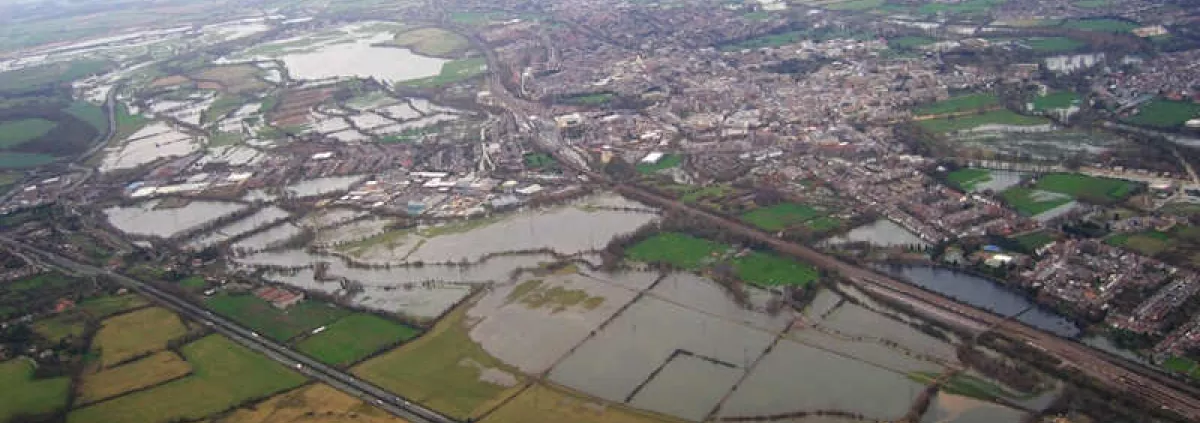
<point>336,378</point>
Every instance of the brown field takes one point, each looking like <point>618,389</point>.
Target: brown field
<point>295,106</point>
<point>233,79</point>
<point>158,368</point>
<point>311,404</point>
<point>550,403</point>
<point>132,334</point>
<point>169,81</point>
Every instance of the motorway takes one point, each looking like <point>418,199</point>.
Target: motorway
<point>336,378</point>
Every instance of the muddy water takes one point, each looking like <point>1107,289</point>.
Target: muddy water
<point>795,377</point>
<point>947,408</point>
<point>269,238</point>
<point>322,186</point>
<point>361,59</point>
<point>259,219</point>
<point>143,219</point>
<point>703,294</point>
<point>687,387</point>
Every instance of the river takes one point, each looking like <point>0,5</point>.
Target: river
<point>986,294</point>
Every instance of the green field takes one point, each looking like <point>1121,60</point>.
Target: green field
<point>825,223</point>
<point>23,395</point>
<point>682,250</point>
<point>1055,100</point>
<point>354,338</point>
<point>1092,4</point>
<point>995,117</point>
<point>773,40</point>
<point>1162,113</point>
<point>1053,44</point>
<point>666,162</point>
<point>910,42</point>
<point>965,385</point>
<point>966,178</point>
<point>34,78</point>
<point>854,5</point>
<point>962,103</point>
<point>967,7</point>
<point>1149,243</point>
<point>101,307</point>
<point>13,160</point>
<point>1182,365</point>
<point>781,216</point>
<point>224,375</point>
<point>434,42</point>
<point>454,71</point>
<point>767,270</point>
<point>1087,188</point>
<point>593,99</point>
<point>540,161</point>
<point>193,282</point>
<point>92,114</point>
<point>223,105</point>
<point>60,326</point>
<point>441,370</point>
<point>1100,25</point>
<point>16,132</point>
<point>1031,202</point>
<point>271,322</point>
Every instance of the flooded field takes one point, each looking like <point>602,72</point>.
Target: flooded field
<point>795,377</point>
<point>882,232</point>
<point>321,186</point>
<point>1044,145</point>
<point>151,143</point>
<point>987,294</point>
<point>146,220</point>
<point>948,408</point>
<point>687,386</point>
<point>257,220</point>
<point>270,238</point>
<point>567,229</point>
<point>1000,181</point>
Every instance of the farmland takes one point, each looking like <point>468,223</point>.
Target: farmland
<point>16,132</point>
<point>153,370</point>
<point>24,395</point>
<point>274,323</point>
<point>1160,113</point>
<point>60,326</point>
<point>996,117</point>
<point>355,337</point>
<point>966,178</point>
<point>310,404</point>
<point>129,335</point>
<point>963,103</point>
<point>551,403</point>
<point>101,307</point>
<point>224,375</point>
<point>444,370</point>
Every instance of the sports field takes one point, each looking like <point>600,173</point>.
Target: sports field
<point>224,375</point>
<point>962,103</point>
<point>781,216</point>
<point>1086,188</point>
<point>444,370</point>
<point>271,322</point>
<point>767,270</point>
<point>1032,202</point>
<point>966,178</point>
<point>23,395</point>
<point>1055,100</point>
<point>133,334</point>
<point>354,338</point>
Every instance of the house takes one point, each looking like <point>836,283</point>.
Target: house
<point>279,297</point>
<point>64,304</point>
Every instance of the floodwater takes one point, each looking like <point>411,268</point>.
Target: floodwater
<point>857,322</point>
<point>948,408</point>
<point>145,220</point>
<point>1001,180</point>
<point>795,377</point>
<point>564,229</point>
<point>505,322</point>
<point>1056,212</point>
<point>987,294</point>
<point>151,143</point>
<point>418,301</point>
<point>1102,343</point>
<point>626,352</point>
<point>882,232</point>
<point>699,293</point>
<point>322,186</point>
<point>361,59</point>
<point>269,238</point>
<point>257,220</point>
<point>688,387</point>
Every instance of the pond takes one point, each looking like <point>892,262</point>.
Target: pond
<point>882,232</point>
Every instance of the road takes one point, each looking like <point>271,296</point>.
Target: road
<point>336,378</point>
<point>1146,386</point>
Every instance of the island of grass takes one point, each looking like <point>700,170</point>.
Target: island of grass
<point>444,370</point>
<point>1053,44</point>
<point>16,132</point>
<point>963,103</point>
<point>1055,100</point>
<point>23,395</point>
<point>781,216</point>
<point>1100,25</point>
<point>965,385</point>
<point>435,42</point>
<point>996,117</point>
<point>967,178</point>
<point>354,338</point>
<point>667,161</point>
<point>280,325</point>
<point>1164,114</point>
<point>692,253</point>
<point>224,375</point>
<point>452,72</point>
